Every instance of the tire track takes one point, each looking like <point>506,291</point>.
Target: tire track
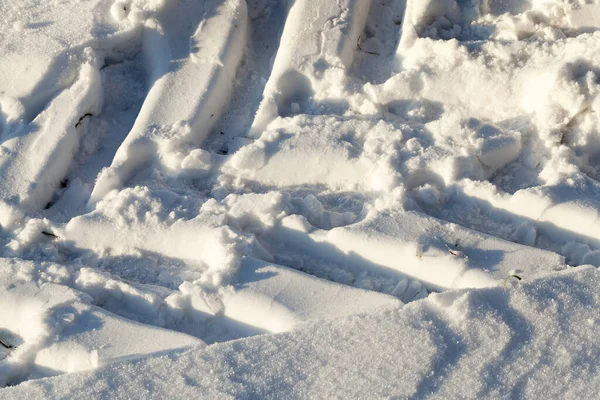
<point>173,115</point>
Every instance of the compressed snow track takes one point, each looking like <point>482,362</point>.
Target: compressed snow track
<point>193,50</point>
<point>299,171</point>
<point>53,137</point>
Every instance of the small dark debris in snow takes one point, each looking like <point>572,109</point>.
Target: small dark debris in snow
<point>47,206</point>
<point>49,234</point>
<point>64,183</point>
<point>222,152</point>
<point>81,119</point>
<point>454,251</point>
<point>511,276</point>
<point>365,51</point>
<point>6,346</point>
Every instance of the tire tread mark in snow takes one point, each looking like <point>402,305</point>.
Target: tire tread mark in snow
<point>192,86</point>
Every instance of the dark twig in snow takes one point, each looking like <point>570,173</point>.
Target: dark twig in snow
<point>511,276</point>
<point>81,119</point>
<point>365,51</point>
<point>49,234</point>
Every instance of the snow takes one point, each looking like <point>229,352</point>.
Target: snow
<point>299,198</point>
<point>211,40</point>
<point>30,183</point>
<point>58,331</point>
<point>472,343</point>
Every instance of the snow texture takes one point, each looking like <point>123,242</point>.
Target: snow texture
<point>299,199</point>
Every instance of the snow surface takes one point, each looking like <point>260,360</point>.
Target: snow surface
<point>299,198</point>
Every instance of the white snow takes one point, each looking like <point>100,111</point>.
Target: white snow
<point>299,198</point>
<point>53,137</point>
<point>194,50</point>
<point>470,343</point>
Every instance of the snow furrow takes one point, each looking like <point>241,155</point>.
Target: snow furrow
<point>265,25</point>
<point>317,45</point>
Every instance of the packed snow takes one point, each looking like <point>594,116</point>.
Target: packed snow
<point>300,199</point>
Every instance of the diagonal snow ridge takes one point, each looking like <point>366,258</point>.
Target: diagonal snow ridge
<point>72,335</point>
<point>55,330</point>
<point>53,136</point>
<point>195,74</point>
<point>319,44</point>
